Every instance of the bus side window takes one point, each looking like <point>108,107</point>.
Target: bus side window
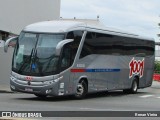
<point>87,48</point>
<point>70,50</point>
<point>66,57</point>
<point>70,35</point>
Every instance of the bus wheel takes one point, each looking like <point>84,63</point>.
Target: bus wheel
<point>134,87</point>
<point>81,90</point>
<point>40,96</point>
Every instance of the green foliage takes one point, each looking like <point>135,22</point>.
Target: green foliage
<point>157,67</point>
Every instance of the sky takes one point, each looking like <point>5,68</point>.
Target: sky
<point>136,16</point>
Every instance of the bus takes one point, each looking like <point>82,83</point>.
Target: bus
<point>57,58</point>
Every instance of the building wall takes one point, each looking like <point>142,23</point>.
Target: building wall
<point>5,68</point>
<point>16,14</point>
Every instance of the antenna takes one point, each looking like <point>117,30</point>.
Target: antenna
<point>98,17</point>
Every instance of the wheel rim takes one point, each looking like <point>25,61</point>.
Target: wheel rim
<point>80,89</point>
<point>135,86</point>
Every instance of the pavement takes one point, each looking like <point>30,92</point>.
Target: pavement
<point>145,100</point>
<point>4,88</point>
<point>156,85</point>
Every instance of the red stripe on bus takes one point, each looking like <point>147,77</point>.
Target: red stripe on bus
<point>77,70</point>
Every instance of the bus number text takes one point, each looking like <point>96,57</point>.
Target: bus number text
<point>136,67</point>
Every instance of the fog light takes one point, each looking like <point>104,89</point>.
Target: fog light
<point>48,91</point>
<point>13,87</point>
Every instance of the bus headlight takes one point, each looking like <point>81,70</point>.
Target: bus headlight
<point>56,80</point>
<point>53,81</point>
<point>49,82</point>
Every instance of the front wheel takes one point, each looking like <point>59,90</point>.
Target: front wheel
<point>81,90</point>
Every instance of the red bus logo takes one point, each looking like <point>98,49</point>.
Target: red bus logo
<point>29,78</point>
<point>136,67</point>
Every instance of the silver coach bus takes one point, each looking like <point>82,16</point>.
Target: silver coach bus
<point>57,58</point>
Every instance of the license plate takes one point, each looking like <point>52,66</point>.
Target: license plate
<point>29,89</point>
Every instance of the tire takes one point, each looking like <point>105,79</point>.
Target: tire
<point>40,96</point>
<point>133,88</point>
<point>81,90</point>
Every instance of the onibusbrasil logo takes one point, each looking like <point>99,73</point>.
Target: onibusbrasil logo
<point>136,67</point>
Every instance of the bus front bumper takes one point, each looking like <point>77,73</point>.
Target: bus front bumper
<point>40,88</point>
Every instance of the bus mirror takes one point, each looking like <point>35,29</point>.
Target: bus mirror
<point>61,44</point>
<point>11,42</point>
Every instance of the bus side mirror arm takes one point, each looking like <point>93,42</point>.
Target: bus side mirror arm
<point>7,43</point>
<point>60,46</point>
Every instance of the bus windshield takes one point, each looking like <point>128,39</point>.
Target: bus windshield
<point>35,54</point>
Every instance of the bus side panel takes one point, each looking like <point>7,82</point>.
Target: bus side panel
<point>123,63</point>
<point>65,85</point>
<point>106,72</point>
<point>129,71</point>
<point>103,71</point>
<point>148,72</point>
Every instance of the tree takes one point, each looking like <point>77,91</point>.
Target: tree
<point>157,67</point>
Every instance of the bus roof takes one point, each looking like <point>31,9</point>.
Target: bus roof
<point>62,26</point>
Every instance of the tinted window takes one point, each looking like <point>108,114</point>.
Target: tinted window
<point>35,54</point>
<point>70,50</point>
<point>105,44</point>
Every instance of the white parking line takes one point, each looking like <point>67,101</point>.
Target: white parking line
<point>146,96</point>
<point>158,97</point>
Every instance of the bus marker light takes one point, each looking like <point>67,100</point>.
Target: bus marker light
<point>48,91</point>
<point>29,78</point>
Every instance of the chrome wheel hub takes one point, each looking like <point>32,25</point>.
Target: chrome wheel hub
<point>80,89</point>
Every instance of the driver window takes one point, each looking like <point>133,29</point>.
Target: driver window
<point>66,57</point>
<point>70,50</point>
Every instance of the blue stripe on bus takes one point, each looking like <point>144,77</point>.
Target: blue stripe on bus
<point>95,70</point>
<point>102,70</point>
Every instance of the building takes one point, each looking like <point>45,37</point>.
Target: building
<point>159,28</point>
<point>157,52</point>
<point>16,14</point>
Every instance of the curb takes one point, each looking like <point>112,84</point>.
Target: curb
<point>157,80</point>
<point>5,91</point>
